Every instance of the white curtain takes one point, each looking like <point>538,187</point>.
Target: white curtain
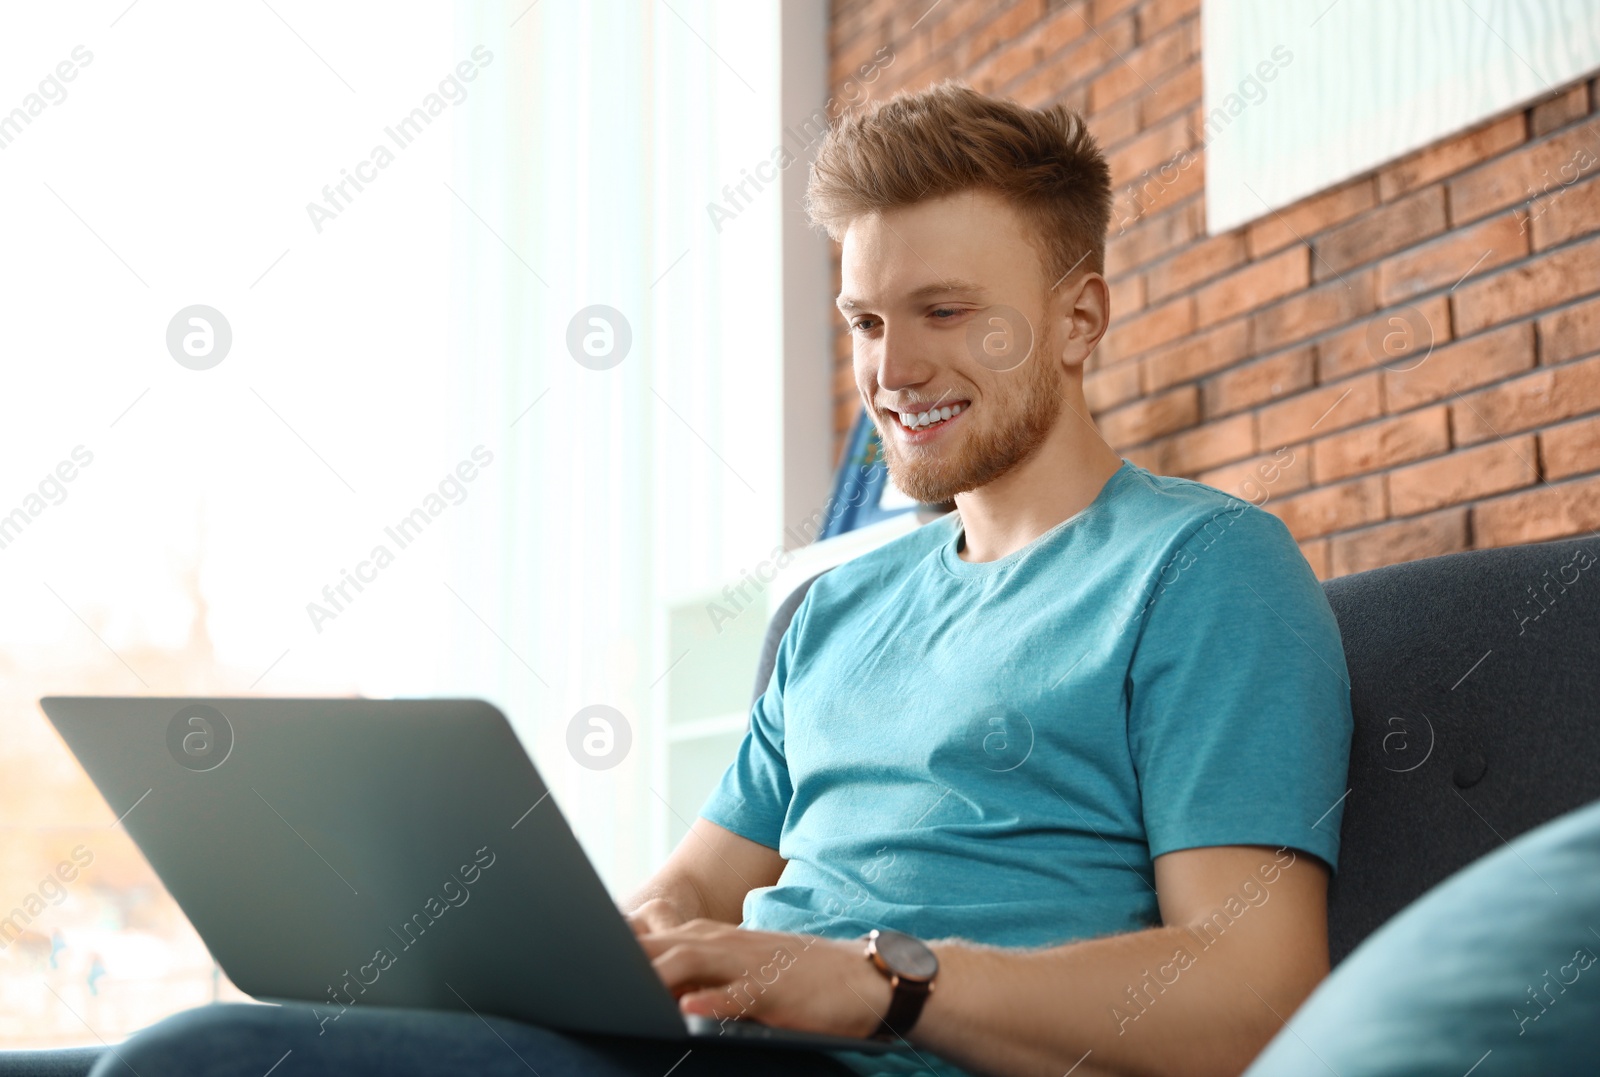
<point>619,488</point>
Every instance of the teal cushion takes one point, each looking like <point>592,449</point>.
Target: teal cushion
<point>1495,966</point>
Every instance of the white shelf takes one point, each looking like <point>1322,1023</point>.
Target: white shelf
<point>707,727</point>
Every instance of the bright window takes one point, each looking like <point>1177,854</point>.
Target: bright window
<point>511,169</point>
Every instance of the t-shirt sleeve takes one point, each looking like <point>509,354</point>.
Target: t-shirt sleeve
<point>1239,701</point>
<point>752,797</point>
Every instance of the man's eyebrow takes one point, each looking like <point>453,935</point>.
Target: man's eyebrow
<point>849,304</point>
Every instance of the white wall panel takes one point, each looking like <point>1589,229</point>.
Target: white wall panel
<point>1365,82</point>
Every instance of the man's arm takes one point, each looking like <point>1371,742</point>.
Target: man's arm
<point>1200,995</point>
<point>705,877</point>
<point>1243,943</point>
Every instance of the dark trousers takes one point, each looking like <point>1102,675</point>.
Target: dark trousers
<point>224,1040</point>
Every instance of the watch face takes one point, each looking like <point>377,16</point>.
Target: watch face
<point>906,955</point>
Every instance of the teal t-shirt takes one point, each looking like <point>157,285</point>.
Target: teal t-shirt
<point>998,751</point>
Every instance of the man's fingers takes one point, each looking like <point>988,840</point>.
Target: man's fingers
<point>673,929</point>
<point>710,1002</point>
<point>685,965</point>
<point>659,942</point>
<point>644,923</point>
<point>654,915</point>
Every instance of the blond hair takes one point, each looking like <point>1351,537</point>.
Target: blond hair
<point>950,138</point>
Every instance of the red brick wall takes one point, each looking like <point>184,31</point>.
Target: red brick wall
<point>1229,353</point>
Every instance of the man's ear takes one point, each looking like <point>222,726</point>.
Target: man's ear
<point>1084,310</point>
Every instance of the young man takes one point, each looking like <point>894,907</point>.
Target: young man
<point>1075,751</point>
<point>1078,749</point>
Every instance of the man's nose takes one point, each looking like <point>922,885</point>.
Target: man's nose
<point>902,361</point>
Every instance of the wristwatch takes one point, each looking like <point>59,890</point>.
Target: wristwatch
<point>910,967</point>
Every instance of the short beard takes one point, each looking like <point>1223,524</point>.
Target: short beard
<point>985,455</point>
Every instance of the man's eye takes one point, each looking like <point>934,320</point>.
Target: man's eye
<point>861,325</point>
<point>946,313</point>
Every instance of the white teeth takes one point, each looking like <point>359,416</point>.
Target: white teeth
<point>928,418</point>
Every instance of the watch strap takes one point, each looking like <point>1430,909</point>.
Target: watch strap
<point>905,1006</point>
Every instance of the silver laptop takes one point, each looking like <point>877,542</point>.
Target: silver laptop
<point>351,852</point>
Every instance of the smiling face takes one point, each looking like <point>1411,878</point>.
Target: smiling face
<point>955,344</point>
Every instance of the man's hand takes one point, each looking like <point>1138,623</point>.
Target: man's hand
<point>795,981</point>
<point>657,914</point>
<point>708,875</point>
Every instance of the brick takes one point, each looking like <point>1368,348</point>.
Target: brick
<point>1446,261</point>
<point>845,21</point>
<point>1150,328</point>
<point>1086,54</point>
<point>1105,389</point>
<point>1309,216</point>
<point>1142,455</point>
<point>1150,417</point>
<point>1320,411</point>
<point>1318,308</point>
<point>957,23</point>
<point>1327,509</point>
<point>1548,512</point>
<point>1008,25</point>
<point>1163,143</point>
<point>1047,88</point>
<point>1451,156</point>
<point>1541,398</point>
<point>1207,446</point>
<point>845,410</point>
<point>1066,25</point>
<point>1566,213</point>
<point>1136,76</point>
<point>1558,111</point>
<point>911,47</point>
<point>1348,350</point>
<point>1106,10</point>
<point>941,65</point>
<point>1153,16</point>
<point>847,63</point>
<point>1196,355</point>
<point>1260,382</point>
<point>1180,91</point>
<point>1570,333</point>
<point>1383,444</point>
<point>1382,231</point>
<point>1166,230</point>
<point>1470,475</point>
<point>1433,535</point>
<point>1115,125</point>
<point>1127,296</point>
<point>1195,263</point>
<point>1001,68</point>
<point>1467,364</point>
<point>1571,448</point>
<point>1283,471</point>
<point>1315,551</point>
<point>1529,286</point>
<point>1166,184</point>
<point>844,380</point>
<point>1518,176</point>
<point>1253,286</point>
